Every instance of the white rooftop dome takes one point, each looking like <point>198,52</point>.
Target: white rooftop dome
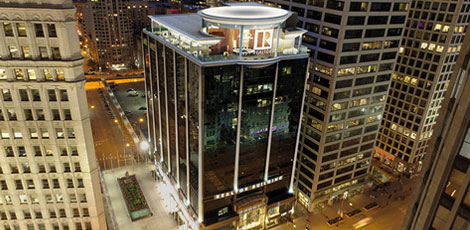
<point>245,15</point>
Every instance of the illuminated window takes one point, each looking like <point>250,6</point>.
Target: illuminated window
<point>359,102</point>
<point>407,79</point>
<point>346,71</point>
<point>440,48</point>
<point>31,74</point>
<point>60,74</point>
<point>8,28</point>
<point>424,45</point>
<point>21,29</point>
<point>414,81</point>
<point>26,51</point>
<point>394,127</point>
<point>335,127</point>
<point>14,52</point>
<point>445,29</point>
<point>317,125</point>
<point>372,45</point>
<point>339,106</point>
<point>437,27</point>
<point>3,74</point>
<point>316,90</point>
<point>48,74</point>
<point>354,123</point>
<point>366,69</point>
<point>324,69</point>
<point>19,74</point>
<point>432,46</point>
<point>371,119</point>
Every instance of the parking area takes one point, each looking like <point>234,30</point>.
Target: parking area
<point>131,97</point>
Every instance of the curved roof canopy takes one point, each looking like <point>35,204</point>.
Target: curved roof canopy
<point>245,15</point>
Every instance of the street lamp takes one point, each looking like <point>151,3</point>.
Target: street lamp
<point>144,146</point>
<point>141,120</point>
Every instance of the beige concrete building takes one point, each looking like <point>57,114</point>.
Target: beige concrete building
<point>442,196</point>
<point>353,49</point>
<point>430,46</point>
<point>109,25</point>
<point>48,171</point>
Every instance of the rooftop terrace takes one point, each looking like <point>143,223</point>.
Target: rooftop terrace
<point>238,32</point>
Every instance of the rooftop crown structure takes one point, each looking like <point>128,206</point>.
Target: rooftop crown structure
<point>225,89</point>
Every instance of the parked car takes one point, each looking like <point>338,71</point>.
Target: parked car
<point>130,89</point>
<point>133,93</point>
<point>142,108</point>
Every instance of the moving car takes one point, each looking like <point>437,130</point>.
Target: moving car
<point>362,223</point>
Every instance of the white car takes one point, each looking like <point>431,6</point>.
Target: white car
<point>132,93</point>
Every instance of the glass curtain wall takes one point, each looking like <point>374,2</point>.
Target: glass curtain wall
<point>193,130</point>
<point>181,117</point>
<point>221,96</point>
<point>155,84</point>
<point>170,89</point>
<point>163,112</point>
<point>257,96</point>
<point>287,109</point>
<point>148,87</point>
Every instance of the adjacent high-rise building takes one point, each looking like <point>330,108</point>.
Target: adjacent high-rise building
<point>441,198</point>
<point>354,45</point>
<point>114,26</point>
<point>48,171</point>
<point>225,89</point>
<point>431,43</point>
<point>109,25</point>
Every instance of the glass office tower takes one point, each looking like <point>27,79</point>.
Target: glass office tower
<point>225,88</point>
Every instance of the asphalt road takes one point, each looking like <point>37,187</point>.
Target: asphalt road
<point>113,144</point>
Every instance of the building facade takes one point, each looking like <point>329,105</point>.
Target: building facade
<point>48,170</point>
<point>225,92</point>
<point>441,199</point>
<point>113,28</point>
<point>109,26</point>
<point>354,46</point>
<point>431,44</point>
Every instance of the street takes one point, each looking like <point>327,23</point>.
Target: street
<point>113,144</point>
<point>133,104</point>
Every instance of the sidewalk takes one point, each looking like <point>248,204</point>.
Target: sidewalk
<point>387,216</point>
<point>161,219</point>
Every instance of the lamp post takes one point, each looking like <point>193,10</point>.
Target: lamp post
<point>125,154</point>
<point>141,120</point>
